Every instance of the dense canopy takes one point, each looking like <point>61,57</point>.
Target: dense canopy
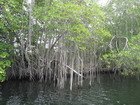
<point>50,39</point>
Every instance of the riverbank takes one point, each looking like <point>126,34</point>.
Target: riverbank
<point>85,75</point>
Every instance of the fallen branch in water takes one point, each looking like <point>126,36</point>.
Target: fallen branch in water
<point>74,70</point>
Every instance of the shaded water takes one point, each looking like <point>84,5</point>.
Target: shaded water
<point>108,92</point>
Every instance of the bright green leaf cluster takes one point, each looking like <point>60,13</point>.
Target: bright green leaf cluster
<point>4,60</point>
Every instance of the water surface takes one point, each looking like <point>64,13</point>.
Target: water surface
<point>108,92</point>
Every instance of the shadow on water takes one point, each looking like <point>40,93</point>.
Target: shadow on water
<point>108,92</point>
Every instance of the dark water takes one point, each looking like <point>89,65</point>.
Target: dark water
<point>108,92</point>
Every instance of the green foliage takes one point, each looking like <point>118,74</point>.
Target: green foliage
<point>77,22</point>
<point>83,24</point>
<point>5,61</point>
<point>123,17</point>
<point>12,19</point>
<point>123,22</point>
<point>126,60</point>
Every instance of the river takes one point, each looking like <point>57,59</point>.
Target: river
<point>110,91</point>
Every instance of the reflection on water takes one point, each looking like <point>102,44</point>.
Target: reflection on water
<point>108,92</point>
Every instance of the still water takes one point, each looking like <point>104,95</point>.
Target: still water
<point>109,91</point>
